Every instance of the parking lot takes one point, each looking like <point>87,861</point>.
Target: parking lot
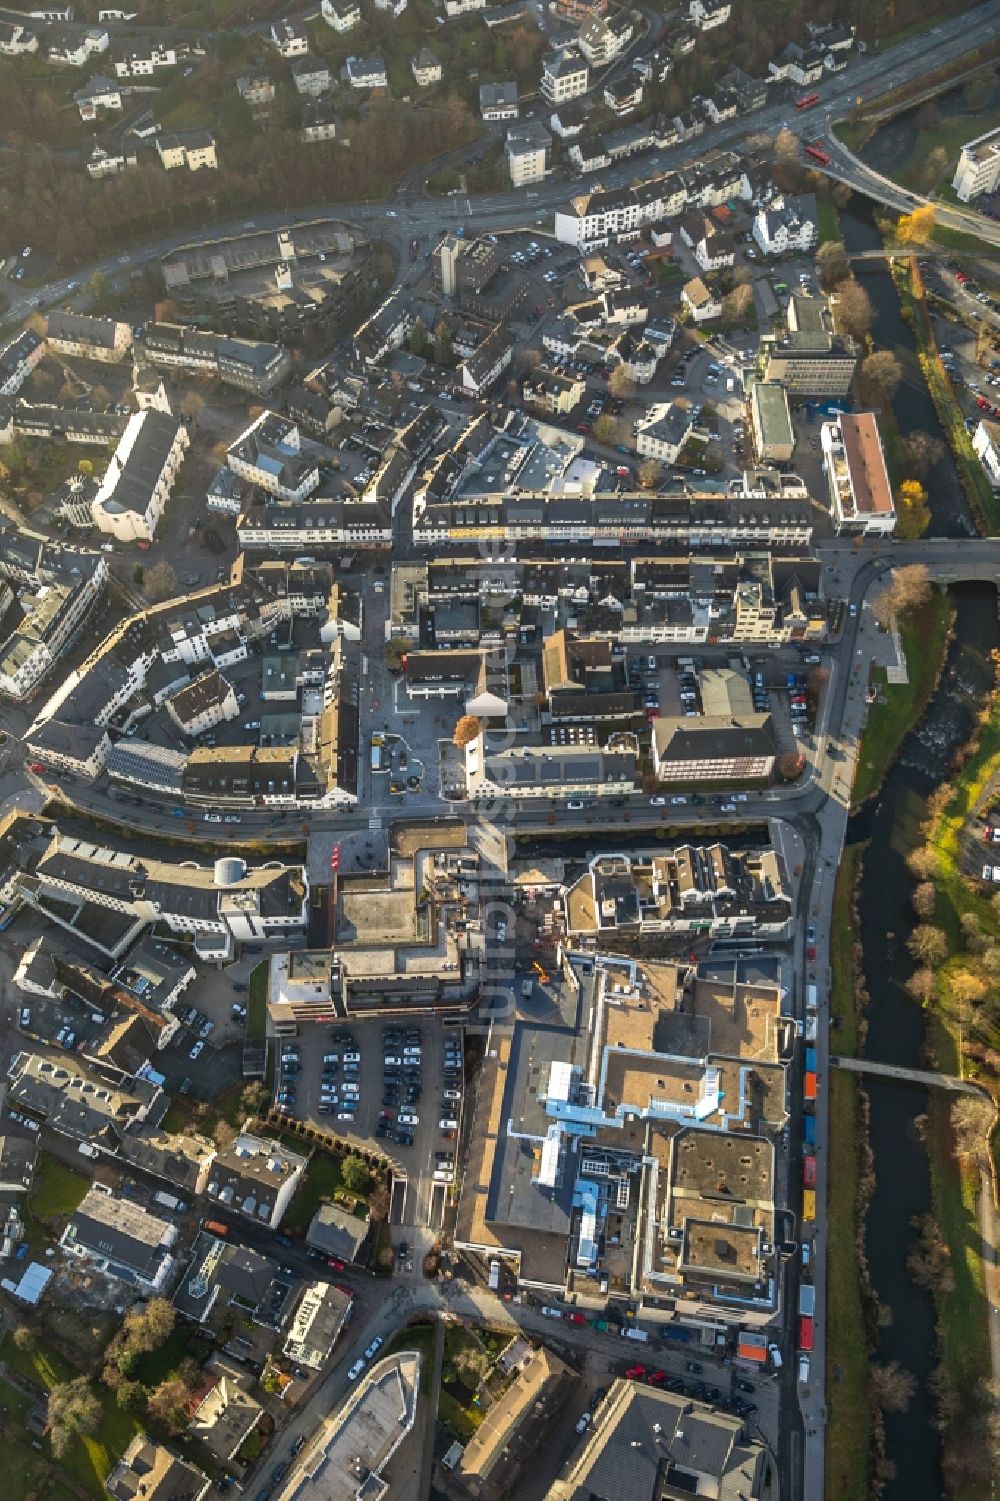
<point>383,1083</point>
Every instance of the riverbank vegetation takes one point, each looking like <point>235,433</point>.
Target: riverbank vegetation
<point>923,620</point>
<point>940,138</point>
<point>984,505</point>
<point>956,946</point>
<point>850,1434</point>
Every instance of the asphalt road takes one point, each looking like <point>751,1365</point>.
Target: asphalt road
<point>869,75</point>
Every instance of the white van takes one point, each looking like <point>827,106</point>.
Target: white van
<point>775,1355</point>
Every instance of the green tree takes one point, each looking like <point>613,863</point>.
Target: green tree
<point>132,1396</point>
<point>356,1175</point>
<point>100,291</point>
<point>834,267</point>
<point>444,352</point>
<point>74,1411</point>
<point>166,1404</point>
<point>396,650</point>
<point>650,473</point>
<point>24,1339</point>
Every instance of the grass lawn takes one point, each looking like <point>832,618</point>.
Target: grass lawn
<point>156,1365</point>
<point>26,1467</point>
<point>924,636</point>
<point>464,1351</point>
<point>322,1179</point>
<point>849,1438</point>
<point>842,1003</point>
<point>957,239</point>
<point>829,220</point>
<point>955,896</point>
<point>951,134</point>
<point>418,1336</point>
<point>463,1421</point>
<point>57,1189</point>
<point>848,1431</point>
<point>89,1459</point>
<point>43,1365</point>
<point>853,133</point>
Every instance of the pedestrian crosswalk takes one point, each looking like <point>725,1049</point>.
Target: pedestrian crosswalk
<point>374,824</point>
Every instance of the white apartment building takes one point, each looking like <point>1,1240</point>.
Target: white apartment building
<point>100,93</point>
<point>289,38</point>
<point>706,14</point>
<point>53,615</point>
<point>664,432</point>
<point>122,1239</point>
<point>367,73</point>
<point>133,494</point>
<point>256,1177</point>
<point>342,15</point>
<point>860,492</point>
<point>787,225</point>
<point>565,75</point>
<point>18,359</point>
<point>201,705</point>
<point>543,771</point>
<point>978,169</point>
<point>603,38</point>
<point>143,62</point>
<point>986,444</point>
<point>527,152</point>
<point>194,149</point>
<point>17,40</point>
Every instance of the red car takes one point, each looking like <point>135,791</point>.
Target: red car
<point>37,768</point>
<point>335,1264</point>
<point>655,1377</point>
<point>575,1318</point>
<point>634,1372</point>
<point>961,278</point>
<point>811,955</point>
<point>342,1287</point>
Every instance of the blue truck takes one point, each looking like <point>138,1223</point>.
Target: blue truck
<point>810,1060</point>
<point>809,1130</point>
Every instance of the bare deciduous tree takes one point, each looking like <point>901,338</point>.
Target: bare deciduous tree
<point>891,1386</point>
<point>927,943</point>
<point>971,1119</point>
<point>908,588</point>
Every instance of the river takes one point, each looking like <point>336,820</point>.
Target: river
<point>896,1030</point>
